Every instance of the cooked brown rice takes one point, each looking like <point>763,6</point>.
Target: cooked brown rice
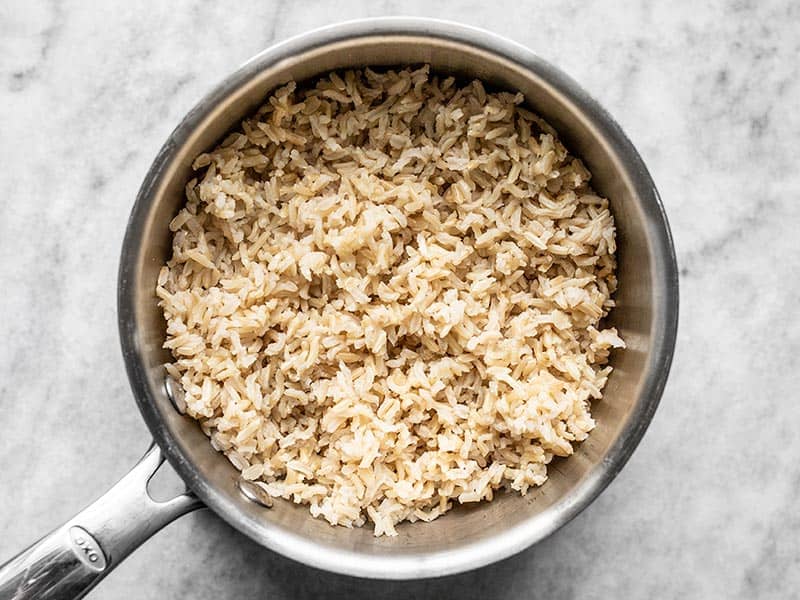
<point>385,296</point>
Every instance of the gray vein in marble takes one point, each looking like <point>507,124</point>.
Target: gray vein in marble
<point>24,76</point>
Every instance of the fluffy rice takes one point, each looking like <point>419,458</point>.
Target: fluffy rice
<point>385,296</point>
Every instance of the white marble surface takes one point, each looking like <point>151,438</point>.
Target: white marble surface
<point>708,507</point>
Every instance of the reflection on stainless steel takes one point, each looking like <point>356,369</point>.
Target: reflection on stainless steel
<point>254,493</point>
<point>467,537</point>
<point>175,393</point>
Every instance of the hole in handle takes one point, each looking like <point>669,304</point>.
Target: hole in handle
<point>165,484</point>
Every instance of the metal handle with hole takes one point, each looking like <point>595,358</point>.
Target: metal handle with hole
<point>72,559</point>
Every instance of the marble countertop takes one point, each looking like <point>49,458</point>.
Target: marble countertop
<point>707,506</point>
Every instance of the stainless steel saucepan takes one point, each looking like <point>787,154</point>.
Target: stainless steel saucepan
<point>76,556</point>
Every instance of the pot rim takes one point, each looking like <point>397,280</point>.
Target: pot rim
<point>505,543</point>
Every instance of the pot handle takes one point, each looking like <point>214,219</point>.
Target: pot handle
<point>72,559</point>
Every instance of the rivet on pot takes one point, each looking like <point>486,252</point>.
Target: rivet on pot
<point>175,394</point>
<point>253,491</point>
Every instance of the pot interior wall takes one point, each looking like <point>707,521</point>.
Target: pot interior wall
<point>288,527</point>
